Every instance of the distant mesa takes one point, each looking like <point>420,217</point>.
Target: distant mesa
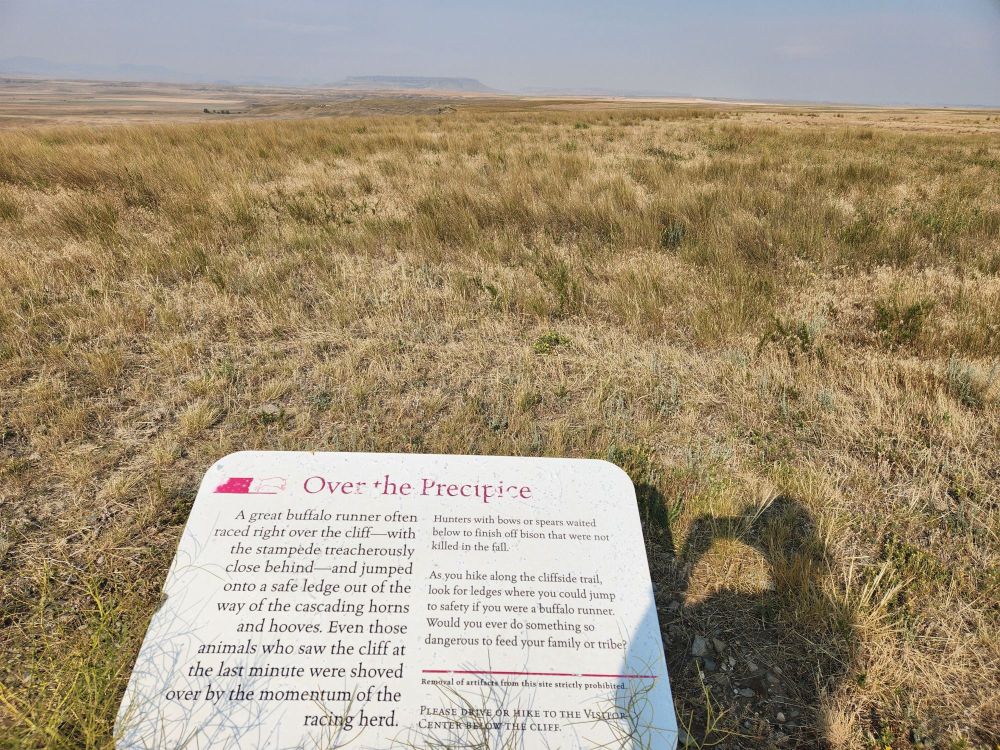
<point>414,83</point>
<point>43,68</point>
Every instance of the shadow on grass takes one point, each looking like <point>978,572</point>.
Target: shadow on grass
<point>749,665</point>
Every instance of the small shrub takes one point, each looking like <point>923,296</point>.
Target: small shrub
<point>913,564</point>
<point>662,153</point>
<point>901,325</point>
<point>672,234</point>
<point>321,401</point>
<point>967,384</point>
<point>529,400</point>
<point>547,342</point>
<point>797,337</point>
<point>494,415</point>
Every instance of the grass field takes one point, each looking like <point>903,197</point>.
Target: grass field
<point>787,332</point>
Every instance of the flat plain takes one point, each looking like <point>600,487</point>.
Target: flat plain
<point>783,322</point>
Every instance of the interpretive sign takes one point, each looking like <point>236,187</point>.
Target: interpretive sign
<point>324,599</point>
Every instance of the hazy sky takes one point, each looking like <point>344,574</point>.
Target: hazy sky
<point>920,51</point>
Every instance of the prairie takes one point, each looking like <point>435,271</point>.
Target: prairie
<point>784,325</point>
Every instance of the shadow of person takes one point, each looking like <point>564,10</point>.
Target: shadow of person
<point>754,638</point>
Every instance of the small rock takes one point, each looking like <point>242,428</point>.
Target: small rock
<point>773,678</point>
<point>732,662</point>
<point>780,717</point>
<point>752,666</point>
<point>673,606</point>
<point>745,692</point>
<point>699,647</point>
<point>718,645</point>
<point>709,664</point>
<point>684,739</point>
<point>270,411</point>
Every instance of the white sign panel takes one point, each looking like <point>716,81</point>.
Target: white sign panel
<point>324,599</point>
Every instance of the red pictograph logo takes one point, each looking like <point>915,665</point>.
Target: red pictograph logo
<point>251,486</point>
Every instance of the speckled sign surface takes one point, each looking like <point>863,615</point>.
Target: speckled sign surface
<point>319,600</point>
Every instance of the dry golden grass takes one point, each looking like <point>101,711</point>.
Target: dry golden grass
<point>788,335</point>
